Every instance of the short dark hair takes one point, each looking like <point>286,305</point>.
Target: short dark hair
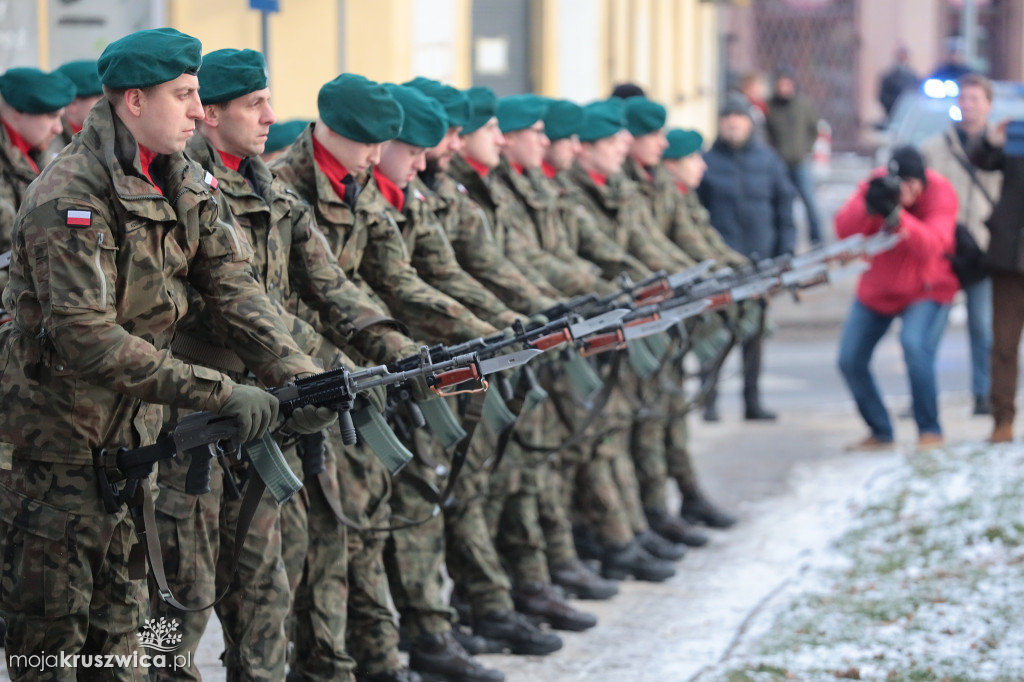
<point>627,90</point>
<point>978,81</point>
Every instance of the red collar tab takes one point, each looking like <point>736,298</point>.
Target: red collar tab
<point>75,128</point>
<point>480,168</point>
<point>23,146</point>
<point>683,188</point>
<point>230,160</point>
<point>392,192</point>
<point>516,167</point>
<point>146,157</point>
<point>599,180</point>
<point>332,168</point>
<point>549,170</point>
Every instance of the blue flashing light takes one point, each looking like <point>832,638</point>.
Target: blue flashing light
<point>940,89</point>
<point>954,113</point>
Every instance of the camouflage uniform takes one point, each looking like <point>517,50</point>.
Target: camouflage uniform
<point>16,172</point>
<point>290,258</point>
<point>95,306</point>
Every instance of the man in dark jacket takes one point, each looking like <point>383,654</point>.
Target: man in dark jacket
<point>747,191</point>
<point>792,127</point>
<point>1005,259</point>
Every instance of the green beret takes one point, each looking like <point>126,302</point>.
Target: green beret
<point>644,116</point>
<point>563,119</point>
<point>601,119</point>
<point>32,91</point>
<point>360,109</point>
<point>84,75</point>
<point>283,134</point>
<point>454,101</point>
<point>227,74</point>
<point>682,143</point>
<point>518,112</point>
<point>482,104</point>
<point>149,57</point>
<point>425,123</point>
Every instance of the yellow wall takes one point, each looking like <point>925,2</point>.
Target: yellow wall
<point>303,46</point>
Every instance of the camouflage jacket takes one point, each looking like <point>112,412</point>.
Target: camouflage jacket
<point>60,141</point>
<point>15,175</point>
<point>479,253</point>
<point>531,210</point>
<point>496,203</point>
<point>577,232</point>
<point>292,260</point>
<point>367,244</point>
<point>434,258</point>
<point>99,277</point>
<point>680,217</point>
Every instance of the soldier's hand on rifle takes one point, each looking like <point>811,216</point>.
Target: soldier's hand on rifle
<point>377,397</point>
<point>537,320</point>
<point>253,408</point>
<point>310,419</point>
<point>420,389</point>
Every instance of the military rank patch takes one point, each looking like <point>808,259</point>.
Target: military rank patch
<point>80,218</point>
<point>210,180</point>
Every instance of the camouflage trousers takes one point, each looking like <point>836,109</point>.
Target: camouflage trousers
<point>64,585</point>
<point>198,539</point>
<point>414,556</point>
<point>315,552</point>
<point>372,634</point>
<point>512,506</point>
<point>471,557</point>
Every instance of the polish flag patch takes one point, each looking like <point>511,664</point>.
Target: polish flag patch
<point>210,180</point>
<point>80,218</point>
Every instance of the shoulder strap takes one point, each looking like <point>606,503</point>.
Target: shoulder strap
<point>967,166</point>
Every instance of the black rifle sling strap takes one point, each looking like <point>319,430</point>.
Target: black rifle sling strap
<point>969,167</point>
<point>473,414</point>
<point>515,406</point>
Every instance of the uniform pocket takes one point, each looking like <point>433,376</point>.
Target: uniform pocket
<point>82,269</point>
<point>35,577</point>
<point>181,534</point>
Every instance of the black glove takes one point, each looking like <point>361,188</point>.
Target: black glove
<point>310,419</point>
<point>883,195</point>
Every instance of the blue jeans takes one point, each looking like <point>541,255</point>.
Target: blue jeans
<point>800,175</point>
<point>979,327</point>
<point>923,324</point>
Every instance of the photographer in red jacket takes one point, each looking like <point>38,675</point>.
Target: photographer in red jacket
<point>912,281</point>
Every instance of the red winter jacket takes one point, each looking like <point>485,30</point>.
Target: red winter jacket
<point>918,267</point>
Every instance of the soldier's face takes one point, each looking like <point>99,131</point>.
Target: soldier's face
<point>604,156</point>
<point>355,156</point>
<point>526,147</point>
<point>38,130</point>
<point>484,144</point>
<point>647,149</point>
<point>76,112</point>
<point>400,162</point>
<point>441,155</point>
<point>562,153</point>
<point>240,127</point>
<point>163,117</point>
<point>687,171</point>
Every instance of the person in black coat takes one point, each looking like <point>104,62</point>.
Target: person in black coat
<point>747,191</point>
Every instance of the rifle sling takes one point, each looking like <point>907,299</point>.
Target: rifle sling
<point>470,420</point>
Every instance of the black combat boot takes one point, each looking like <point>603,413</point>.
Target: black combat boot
<point>585,540</point>
<point>631,559</point>
<point>576,579</point>
<point>398,675</point>
<point>674,529</point>
<point>659,547</point>
<point>698,509</point>
<point>542,600</point>
<point>516,633</point>
<point>441,658</point>
<point>475,644</point>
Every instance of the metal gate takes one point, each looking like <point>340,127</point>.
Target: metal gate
<point>817,39</point>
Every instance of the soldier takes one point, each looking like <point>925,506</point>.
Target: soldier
<point>689,226</point>
<point>31,104</point>
<point>104,246</point>
<point>291,261</point>
<point>88,91</point>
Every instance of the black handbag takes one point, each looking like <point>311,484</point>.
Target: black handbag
<point>967,258</point>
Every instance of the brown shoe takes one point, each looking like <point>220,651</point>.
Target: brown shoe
<point>930,441</point>
<point>1001,433</point>
<point>871,444</point>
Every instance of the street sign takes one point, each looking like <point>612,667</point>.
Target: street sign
<point>265,5</point>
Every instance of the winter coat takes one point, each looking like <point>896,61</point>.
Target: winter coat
<point>1006,224</point>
